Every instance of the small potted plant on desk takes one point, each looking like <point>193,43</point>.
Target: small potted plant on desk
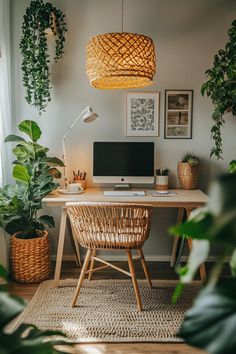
<point>20,203</point>
<point>162,177</point>
<point>188,171</point>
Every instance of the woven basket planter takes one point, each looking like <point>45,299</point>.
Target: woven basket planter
<point>188,175</point>
<point>30,258</point>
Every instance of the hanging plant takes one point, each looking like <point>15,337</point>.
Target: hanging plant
<point>221,88</point>
<point>38,19</point>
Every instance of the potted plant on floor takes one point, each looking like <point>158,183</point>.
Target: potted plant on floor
<point>21,202</point>
<point>188,171</point>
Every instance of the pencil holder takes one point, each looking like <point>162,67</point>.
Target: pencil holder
<point>162,183</point>
<point>83,183</point>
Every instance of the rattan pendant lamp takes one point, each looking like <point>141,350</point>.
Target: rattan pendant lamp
<point>120,60</point>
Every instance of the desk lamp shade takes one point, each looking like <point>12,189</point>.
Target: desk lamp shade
<point>89,115</point>
<point>120,61</point>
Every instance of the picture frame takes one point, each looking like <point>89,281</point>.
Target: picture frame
<point>142,113</point>
<point>178,114</point>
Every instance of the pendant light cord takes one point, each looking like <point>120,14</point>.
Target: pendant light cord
<point>122,15</point>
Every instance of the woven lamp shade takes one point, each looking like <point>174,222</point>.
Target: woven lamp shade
<point>120,60</point>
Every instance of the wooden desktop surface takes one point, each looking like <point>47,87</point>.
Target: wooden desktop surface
<point>182,198</point>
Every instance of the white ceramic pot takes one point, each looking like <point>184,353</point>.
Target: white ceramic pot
<point>162,183</point>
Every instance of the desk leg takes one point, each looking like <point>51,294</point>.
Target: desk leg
<point>60,247</point>
<point>176,238</point>
<point>202,268</point>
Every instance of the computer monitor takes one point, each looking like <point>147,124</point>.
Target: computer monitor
<point>123,162</point>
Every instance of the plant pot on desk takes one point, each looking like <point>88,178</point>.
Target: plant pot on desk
<point>188,175</point>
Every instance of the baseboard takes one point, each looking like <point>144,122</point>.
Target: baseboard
<point>149,258</point>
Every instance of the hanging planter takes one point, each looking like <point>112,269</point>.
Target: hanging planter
<point>40,18</point>
<point>220,87</point>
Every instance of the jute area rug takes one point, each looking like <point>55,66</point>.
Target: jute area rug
<point>106,311</point>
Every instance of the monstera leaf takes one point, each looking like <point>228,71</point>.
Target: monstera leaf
<point>27,338</point>
<point>210,324</point>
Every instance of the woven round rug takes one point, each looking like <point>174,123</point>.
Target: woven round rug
<point>106,311</point>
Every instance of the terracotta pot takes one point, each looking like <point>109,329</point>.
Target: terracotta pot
<point>188,175</point>
<point>30,258</point>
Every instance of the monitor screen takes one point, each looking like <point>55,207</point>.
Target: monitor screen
<point>123,162</point>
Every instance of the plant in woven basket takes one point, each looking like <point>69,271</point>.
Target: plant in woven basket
<point>210,324</point>
<point>21,202</point>
<point>221,88</point>
<point>38,19</point>
<point>27,338</point>
<point>188,171</point>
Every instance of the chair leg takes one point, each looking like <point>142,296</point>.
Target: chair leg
<point>92,265</point>
<point>145,268</point>
<point>82,276</point>
<point>134,280</point>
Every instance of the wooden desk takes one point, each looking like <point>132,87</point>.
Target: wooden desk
<point>183,200</point>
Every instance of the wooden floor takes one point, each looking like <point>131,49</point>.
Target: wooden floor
<point>158,270</point>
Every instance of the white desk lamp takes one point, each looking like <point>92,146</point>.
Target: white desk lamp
<point>88,116</point>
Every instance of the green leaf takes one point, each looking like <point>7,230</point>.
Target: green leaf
<point>10,306</point>
<point>54,161</point>
<point>232,166</point>
<point>47,220</point>
<point>54,172</point>
<point>30,128</point>
<point>3,272</point>
<point>198,255</point>
<point>20,173</point>
<point>210,324</point>
<point>13,138</point>
<point>233,263</point>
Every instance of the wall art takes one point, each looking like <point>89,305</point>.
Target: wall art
<point>142,113</point>
<point>178,114</point>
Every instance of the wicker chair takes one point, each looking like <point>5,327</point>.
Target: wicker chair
<point>110,226</point>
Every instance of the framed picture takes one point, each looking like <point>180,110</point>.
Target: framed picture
<point>142,116</point>
<point>178,114</point>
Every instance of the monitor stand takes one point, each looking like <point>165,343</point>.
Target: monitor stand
<point>122,187</point>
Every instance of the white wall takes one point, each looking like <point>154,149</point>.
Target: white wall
<point>186,33</point>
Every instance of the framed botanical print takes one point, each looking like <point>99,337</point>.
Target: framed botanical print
<point>142,116</point>
<point>178,114</point>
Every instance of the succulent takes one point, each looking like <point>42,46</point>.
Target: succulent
<point>190,158</point>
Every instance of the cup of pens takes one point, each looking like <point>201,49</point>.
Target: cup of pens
<point>80,177</point>
<point>162,180</point>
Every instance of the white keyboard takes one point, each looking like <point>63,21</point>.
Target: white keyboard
<point>124,193</point>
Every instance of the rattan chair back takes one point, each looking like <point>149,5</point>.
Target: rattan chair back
<point>99,225</point>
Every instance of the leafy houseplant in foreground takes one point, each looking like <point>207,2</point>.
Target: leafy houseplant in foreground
<point>21,202</point>
<point>210,324</point>
<point>38,19</point>
<point>27,339</point>
<point>188,171</point>
<point>221,88</point>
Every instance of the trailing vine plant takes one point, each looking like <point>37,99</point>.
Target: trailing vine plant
<point>221,88</point>
<point>40,17</point>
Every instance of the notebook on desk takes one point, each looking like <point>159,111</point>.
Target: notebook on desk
<point>158,194</point>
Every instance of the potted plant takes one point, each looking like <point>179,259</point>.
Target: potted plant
<point>38,19</point>
<point>21,202</point>
<point>220,87</point>
<point>27,338</point>
<point>162,178</point>
<point>188,171</point>
<point>210,323</point>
